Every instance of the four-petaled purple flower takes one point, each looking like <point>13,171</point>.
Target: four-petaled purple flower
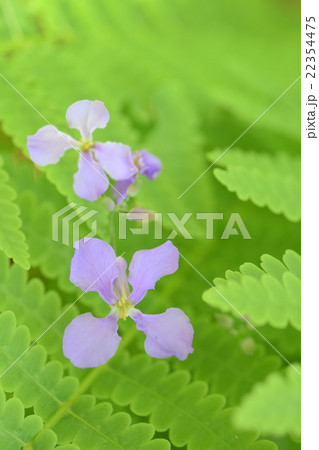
<point>48,145</point>
<point>146,164</point>
<point>89,341</point>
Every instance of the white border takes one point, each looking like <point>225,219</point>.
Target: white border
<point>310,244</point>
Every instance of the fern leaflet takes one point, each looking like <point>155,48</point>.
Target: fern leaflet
<point>265,179</point>
<point>12,240</point>
<point>267,295</point>
<point>173,403</point>
<point>280,395</point>
<point>59,400</point>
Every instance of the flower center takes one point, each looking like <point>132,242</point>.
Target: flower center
<point>138,161</point>
<point>123,307</point>
<point>85,144</point>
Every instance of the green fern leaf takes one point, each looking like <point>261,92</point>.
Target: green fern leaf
<point>51,257</point>
<point>265,179</point>
<point>89,424</point>
<point>38,201</point>
<point>267,295</point>
<point>12,240</point>
<point>280,395</point>
<point>228,358</point>
<point>23,297</point>
<point>173,403</point>
<point>15,429</point>
<point>58,399</point>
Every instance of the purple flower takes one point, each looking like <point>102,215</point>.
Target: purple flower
<point>48,145</point>
<point>89,341</point>
<point>146,164</point>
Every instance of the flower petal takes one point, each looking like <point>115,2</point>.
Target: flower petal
<point>148,164</point>
<point>94,268</point>
<point>89,181</point>
<point>148,266</point>
<point>167,334</point>
<point>116,159</point>
<point>87,116</point>
<point>90,342</point>
<point>48,144</point>
<point>119,190</point>
<point>120,285</point>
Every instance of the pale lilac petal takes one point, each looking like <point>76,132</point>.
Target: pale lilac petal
<point>94,268</point>
<point>86,116</point>
<point>116,159</point>
<point>167,334</point>
<point>120,284</point>
<point>48,144</point>
<point>89,181</point>
<point>119,190</point>
<point>148,266</point>
<point>90,342</point>
<point>148,164</point>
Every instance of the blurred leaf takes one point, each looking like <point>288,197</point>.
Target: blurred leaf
<point>140,44</point>
<point>178,147</point>
<point>228,358</point>
<point>280,397</point>
<point>266,180</point>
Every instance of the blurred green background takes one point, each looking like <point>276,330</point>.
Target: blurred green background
<point>183,79</point>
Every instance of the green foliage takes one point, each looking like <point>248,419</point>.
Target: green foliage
<point>227,356</point>
<point>183,141</point>
<point>281,392</point>
<point>12,240</point>
<point>151,51</point>
<point>270,294</point>
<point>24,297</point>
<point>58,399</point>
<point>51,257</point>
<point>173,403</point>
<point>267,180</point>
<point>15,429</point>
<point>179,80</point>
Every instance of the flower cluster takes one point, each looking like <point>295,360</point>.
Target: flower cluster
<point>89,341</point>
<point>49,144</point>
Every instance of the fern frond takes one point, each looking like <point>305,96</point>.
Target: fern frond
<point>90,425</point>
<point>52,258</point>
<point>265,179</point>
<point>15,429</point>
<point>24,298</point>
<point>228,358</point>
<point>280,395</point>
<point>39,201</point>
<point>173,403</point>
<point>12,239</point>
<point>267,295</point>
<point>58,399</point>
